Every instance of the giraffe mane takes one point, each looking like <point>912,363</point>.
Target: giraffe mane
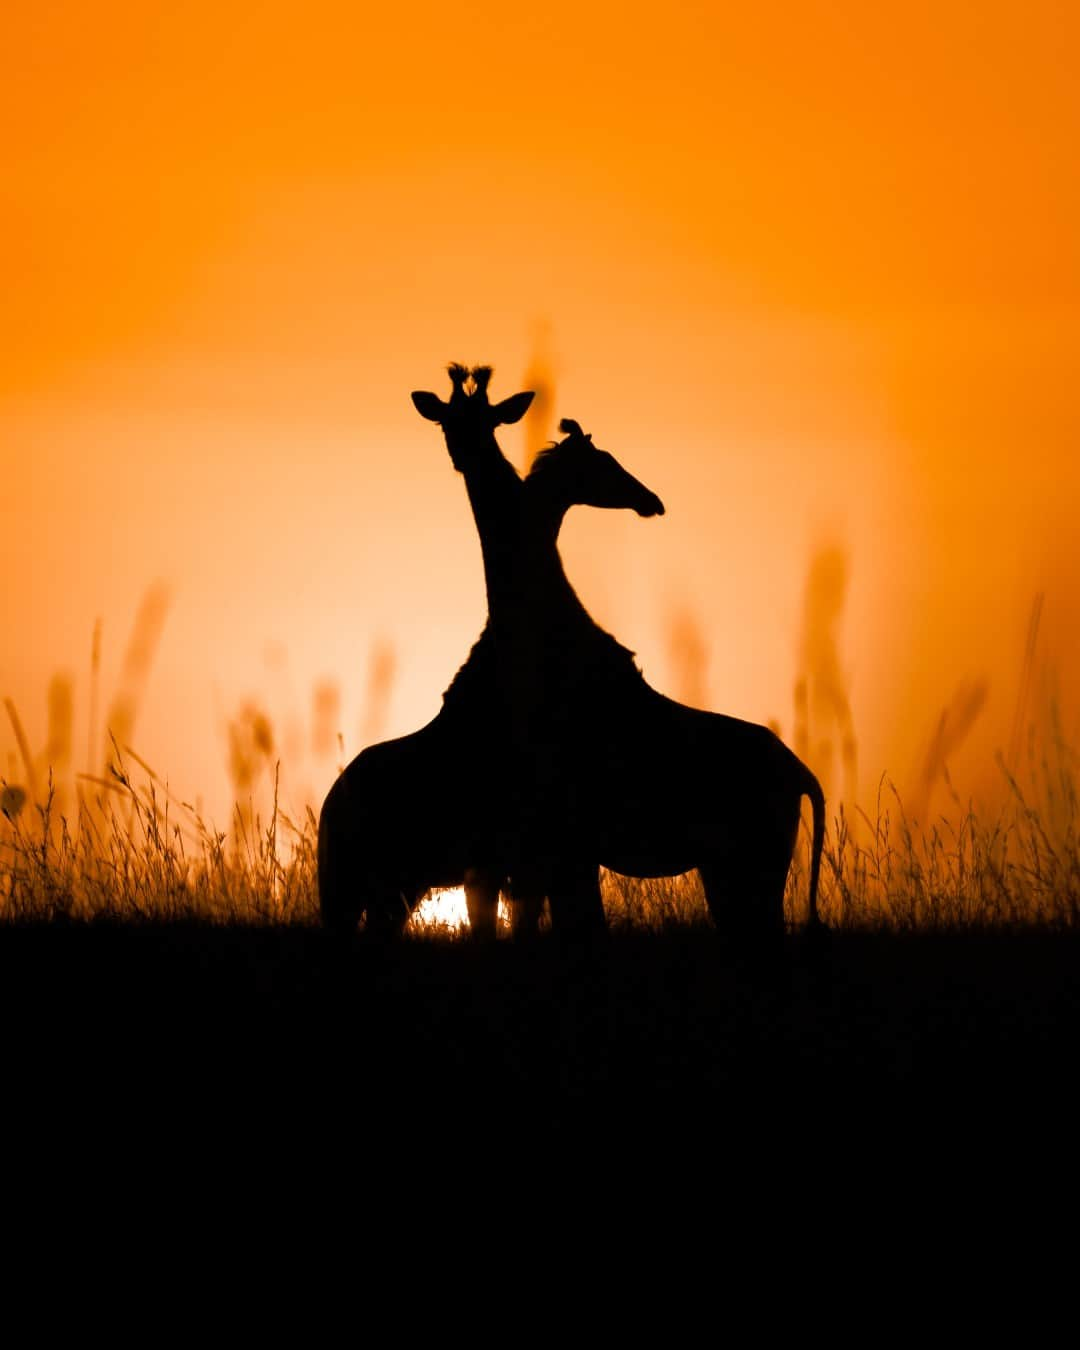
<point>575,440</point>
<point>543,458</point>
<point>607,659</point>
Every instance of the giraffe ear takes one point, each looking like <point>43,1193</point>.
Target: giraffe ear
<point>512,409</point>
<point>428,405</point>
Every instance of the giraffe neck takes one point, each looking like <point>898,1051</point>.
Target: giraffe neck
<point>494,490</point>
<point>537,628</point>
<point>519,533</point>
<point>543,585</point>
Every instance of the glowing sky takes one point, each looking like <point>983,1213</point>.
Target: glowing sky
<point>811,271</point>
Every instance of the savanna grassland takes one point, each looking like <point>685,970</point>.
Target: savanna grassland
<point>159,974</point>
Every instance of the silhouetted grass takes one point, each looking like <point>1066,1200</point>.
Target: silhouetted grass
<point>166,984</point>
<point>131,852</point>
<point>1018,867</point>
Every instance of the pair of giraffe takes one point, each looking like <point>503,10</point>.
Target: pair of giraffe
<point>551,756</point>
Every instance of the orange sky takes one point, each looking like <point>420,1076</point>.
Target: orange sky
<point>810,271</point>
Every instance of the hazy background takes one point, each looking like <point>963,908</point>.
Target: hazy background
<point>812,272</point>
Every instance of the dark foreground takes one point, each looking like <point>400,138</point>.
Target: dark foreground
<point>656,1046</point>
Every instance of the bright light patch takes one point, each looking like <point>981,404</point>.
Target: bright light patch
<point>447,910</point>
<point>442,909</point>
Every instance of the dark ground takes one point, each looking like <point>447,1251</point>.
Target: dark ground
<point>868,1127</point>
<point>664,1045</point>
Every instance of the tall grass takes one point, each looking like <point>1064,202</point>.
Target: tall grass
<point>1017,868</point>
<point>118,845</point>
<point>131,852</point>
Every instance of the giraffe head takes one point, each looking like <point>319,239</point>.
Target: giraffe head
<point>469,419</point>
<point>575,472</point>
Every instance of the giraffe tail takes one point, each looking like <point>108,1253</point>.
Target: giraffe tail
<point>812,789</point>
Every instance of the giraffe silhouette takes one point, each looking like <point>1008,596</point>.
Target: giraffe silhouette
<point>441,807</point>
<point>603,768</point>
<point>533,612</point>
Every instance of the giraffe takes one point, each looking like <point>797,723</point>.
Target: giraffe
<point>433,808</point>
<point>605,768</point>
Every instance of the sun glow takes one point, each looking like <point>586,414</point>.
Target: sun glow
<point>446,910</point>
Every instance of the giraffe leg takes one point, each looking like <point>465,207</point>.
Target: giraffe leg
<point>482,902</point>
<point>341,903</point>
<point>526,905</point>
<point>577,907</point>
<point>388,910</point>
<point>525,915</point>
<point>746,897</point>
<point>340,906</point>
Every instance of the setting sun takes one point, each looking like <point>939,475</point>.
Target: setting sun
<point>444,909</point>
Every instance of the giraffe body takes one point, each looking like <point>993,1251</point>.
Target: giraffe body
<point>552,755</point>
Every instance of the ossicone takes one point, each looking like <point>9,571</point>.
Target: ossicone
<point>571,428</point>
